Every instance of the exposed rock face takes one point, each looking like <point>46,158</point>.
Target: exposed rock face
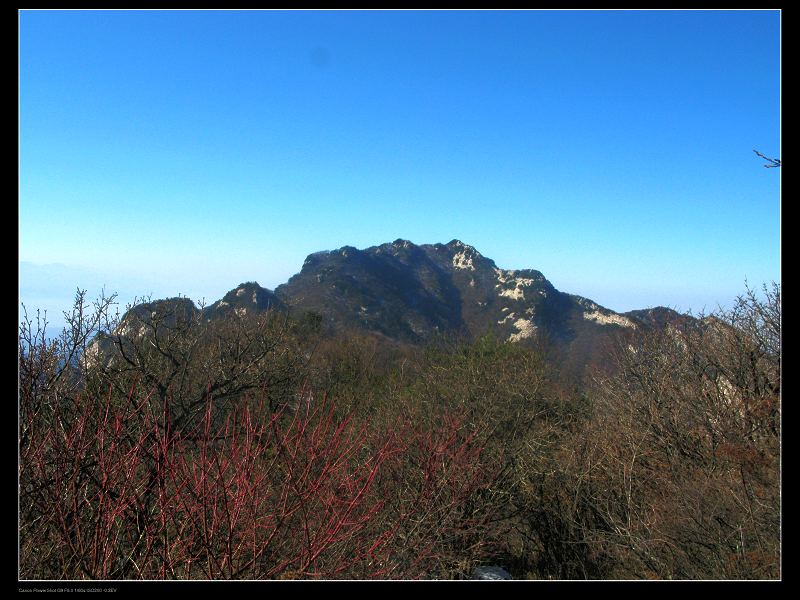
<point>149,318</point>
<point>247,298</point>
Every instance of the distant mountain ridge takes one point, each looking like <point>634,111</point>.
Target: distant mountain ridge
<point>412,293</point>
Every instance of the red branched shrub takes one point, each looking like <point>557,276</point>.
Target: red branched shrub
<point>111,490</point>
<point>440,490</point>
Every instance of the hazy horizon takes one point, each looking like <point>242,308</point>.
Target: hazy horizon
<point>184,152</point>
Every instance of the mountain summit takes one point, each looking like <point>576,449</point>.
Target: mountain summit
<point>411,293</point>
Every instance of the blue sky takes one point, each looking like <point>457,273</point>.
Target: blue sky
<point>171,152</point>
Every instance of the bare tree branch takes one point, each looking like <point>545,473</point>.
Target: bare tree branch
<point>771,162</point>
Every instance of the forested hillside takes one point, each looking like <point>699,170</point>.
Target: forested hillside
<point>264,445</point>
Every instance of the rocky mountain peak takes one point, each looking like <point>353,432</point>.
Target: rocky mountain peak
<point>464,255</point>
<point>246,298</point>
<point>412,293</point>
